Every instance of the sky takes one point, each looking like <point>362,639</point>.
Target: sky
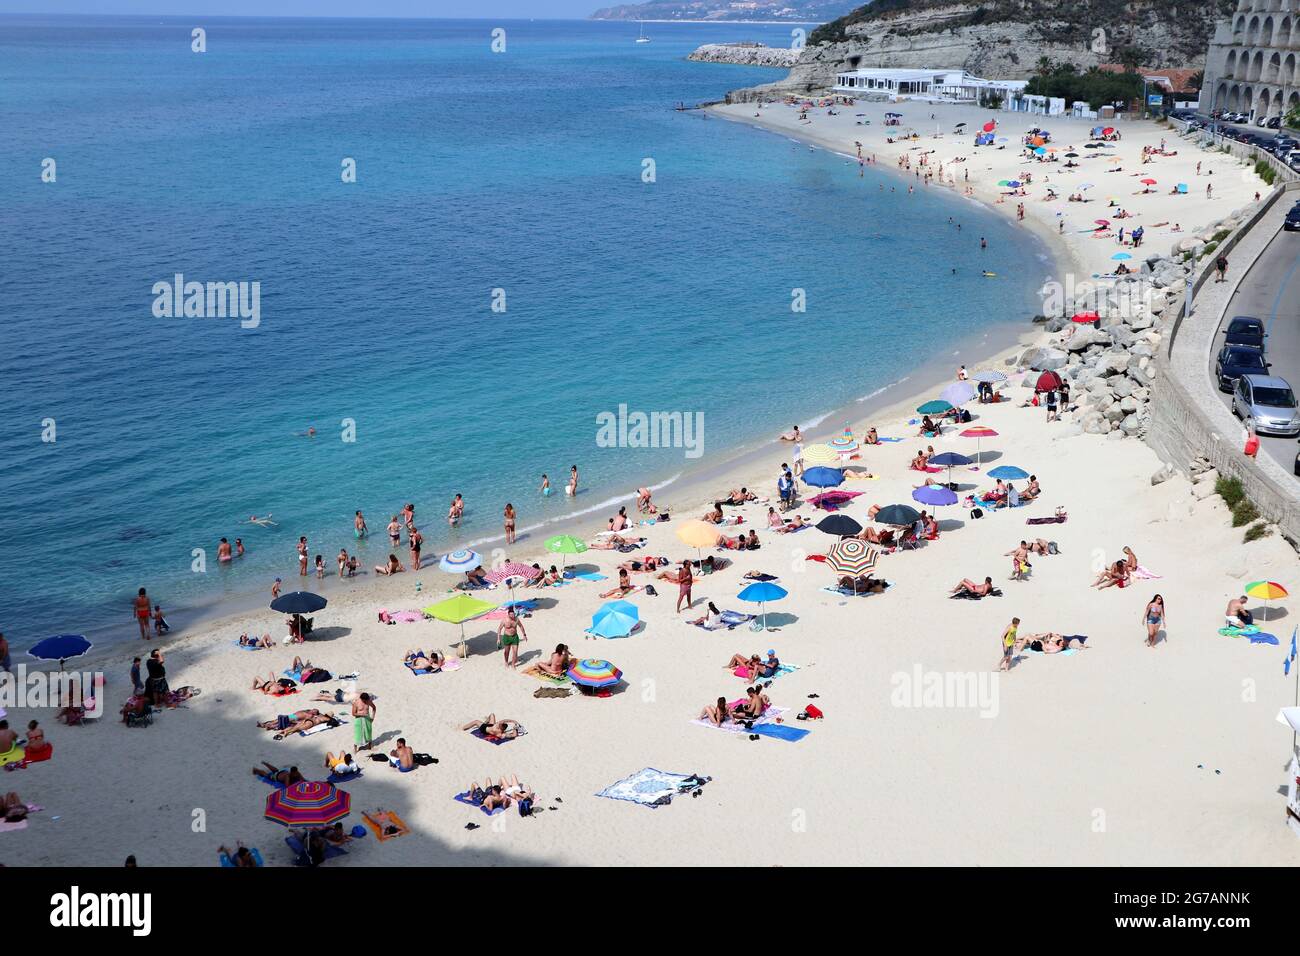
<point>468,9</point>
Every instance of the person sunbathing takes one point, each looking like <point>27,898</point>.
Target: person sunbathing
<point>240,857</point>
<point>305,671</point>
<point>919,462</point>
<point>671,576</point>
<point>928,428</point>
<point>613,542</point>
<point>711,619</point>
<point>713,516</point>
<point>794,524</point>
<point>710,564</point>
<point>490,796</point>
<point>752,707</point>
<point>419,661</point>
<point>335,835</point>
<point>514,789</point>
<point>402,757</point>
<point>649,564</point>
<point>967,586</point>
<point>753,663</point>
<point>476,577</point>
<point>1050,643</point>
<point>1115,575</point>
<point>1130,559</point>
<point>392,567</point>
<point>559,663</point>
<point>750,541</point>
<point>1032,490</point>
<point>883,538</point>
<point>298,720</point>
<point>865,584</point>
<point>275,686</point>
<point>13,808</point>
<point>735,497</point>
<point>872,438</point>
<point>489,726</point>
<point>1040,546</point>
<point>341,765</point>
<point>263,641</point>
<point>274,774</point>
<point>548,578</point>
<point>716,714</point>
<point>731,544</point>
<point>624,585</point>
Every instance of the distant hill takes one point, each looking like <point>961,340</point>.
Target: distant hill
<point>795,11</point>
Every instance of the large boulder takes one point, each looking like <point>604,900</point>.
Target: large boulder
<point>1044,359</point>
<point>1086,336</point>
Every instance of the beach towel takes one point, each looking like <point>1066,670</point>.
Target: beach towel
<point>781,670</point>
<point>552,692</point>
<point>760,576</point>
<point>781,732</point>
<point>1144,574</point>
<point>464,798</point>
<point>849,592</point>
<point>968,596</point>
<point>1054,519</point>
<point>730,620</point>
<point>535,671</point>
<point>476,732</point>
<point>734,727</point>
<point>591,576</point>
<point>1069,651</point>
<point>322,727</point>
<point>651,787</point>
<point>1253,638</point>
<point>378,831</point>
<point>335,777</point>
<point>253,852</point>
<point>892,439</point>
<point>247,647</point>
<point>1225,631</point>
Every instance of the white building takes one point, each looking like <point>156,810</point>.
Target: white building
<point>955,85</point>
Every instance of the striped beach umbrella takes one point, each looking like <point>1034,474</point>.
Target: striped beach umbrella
<point>594,672</point>
<point>990,375</point>
<point>512,574</point>
<point>308,803</point>
<point>979,433</point>
<point>1268,591</point>
<point>845,444</point>
<point>820,454</point>
<point>852,557</point>
<point>460,561</point>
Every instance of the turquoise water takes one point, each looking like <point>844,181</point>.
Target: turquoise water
<point>476,171</point>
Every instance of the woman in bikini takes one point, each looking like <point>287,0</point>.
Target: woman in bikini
<point>559,662</point>
<point>716,714</point>
<point>275,686</point>
<point>624,585</point>
<point>685,580</point>
<point>1154,618</point>
<point>392,567</point>
<point>510,523</point>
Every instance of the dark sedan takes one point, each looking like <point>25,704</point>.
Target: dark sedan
<point>1235,361</point>
<point>1244,330</point>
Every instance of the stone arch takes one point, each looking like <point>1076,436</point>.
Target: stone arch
<point>1282,38</point>
<point>1273,68</point>
<point>1293,102</point>
<point>1248,101</point>
<point>1256,67</point>
<point>1266,31</point>
<point>1234,99</point>
<point>1262,104</point>
<point>1252,32</point>
<point>1288,77</point>
<point>1230,65</point>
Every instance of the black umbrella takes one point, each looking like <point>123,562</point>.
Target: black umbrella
<point>898,515</point>
<point>840,524</point>
<point>298,602</point>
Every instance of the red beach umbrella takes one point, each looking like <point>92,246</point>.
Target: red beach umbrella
<point>308,803</point>
<point>1147,182</point>
<point>979,433</point>
<point>1084,317</point>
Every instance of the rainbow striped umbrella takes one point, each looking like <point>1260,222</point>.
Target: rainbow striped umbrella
<point>845,444</point>
<point>1268,590</point>
<point>460,561</point>
<point>851,556</point>
<point>979,433</point>
<point>821,454</point>
<point>593,672</point>
<point>308,803</point>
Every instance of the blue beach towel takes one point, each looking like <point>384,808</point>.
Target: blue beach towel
<point>254,852</point>
<point>300,851</point>
<point>464,798</point>
<point>246,647</point>
<point>591,576</point>
<point>781,732</point>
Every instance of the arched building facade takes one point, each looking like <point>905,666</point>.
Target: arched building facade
<point>1253,64</point>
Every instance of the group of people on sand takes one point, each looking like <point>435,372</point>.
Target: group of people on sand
<point>746,711</point>
<point>500,795</point>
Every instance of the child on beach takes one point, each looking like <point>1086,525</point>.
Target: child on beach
<point>160,625</point>
<point>320,566</point>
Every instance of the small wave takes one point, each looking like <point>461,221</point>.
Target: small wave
<point>884,388</point>
<point>814,422</point>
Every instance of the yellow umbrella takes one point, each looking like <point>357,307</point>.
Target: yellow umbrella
<point>697,534</point>
<point>820,454</point>
<point>458,610</point>
<point>1268,590</point>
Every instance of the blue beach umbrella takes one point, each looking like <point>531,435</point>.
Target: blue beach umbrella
<point>761,592</point>
<point>460,561</point>
<point>60,648</point>
<point>614,619</point>
<point>823,477</point>
<point>935,407</point>
<point>1015,184</point>
<point>900,515</point>
<point>1121,255</point>
<point>949,460</point>
<point>1008,473</point>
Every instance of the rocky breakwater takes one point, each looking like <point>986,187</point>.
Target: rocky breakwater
<point>746,54</point>
<point>1110,363</point>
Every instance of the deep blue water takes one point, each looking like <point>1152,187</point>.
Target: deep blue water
<point>476,171</point>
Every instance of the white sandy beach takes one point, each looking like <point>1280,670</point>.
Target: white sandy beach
<point>1118,754</point>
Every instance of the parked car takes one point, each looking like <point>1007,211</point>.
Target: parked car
<point>1292,221</point>
<point>1234,361</point>
<point>1245,330</point>
<point>1267,403</point>
<point>1273,122</point>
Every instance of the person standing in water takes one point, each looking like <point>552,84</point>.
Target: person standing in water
<point>572,490</point>
<point>546,486</point>
<point>302,556</point>
<point>456,510</point>
<point>143,612</point>
<point>359,523</point>
<point>510,523</point>
<point>415,542</point>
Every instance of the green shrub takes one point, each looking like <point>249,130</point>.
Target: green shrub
<point>1230,490</point>
<point>1264,170</point>
<point>1244,512</point>
<point>1257,531</point>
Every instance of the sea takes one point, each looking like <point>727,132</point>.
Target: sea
<point>464,253</point>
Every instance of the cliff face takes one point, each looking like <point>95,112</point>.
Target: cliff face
<point>1004,39</point>
<point>746,54</point>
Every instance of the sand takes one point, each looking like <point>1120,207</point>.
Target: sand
<point>1118,754</point>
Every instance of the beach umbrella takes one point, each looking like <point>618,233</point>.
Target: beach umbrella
<point>823,477</point>
<point>1071,155</point>
<point>1004,182</point>
<point>901,515</point>
<point>512,573</point>
<point>948,459</point>
<point>1147,182</point>
<point>614,619</point>
<point>979,433</point>
<point>1120,256</point>
<point>1008,473</point>
<point>594,672</point>
<point>990,375</point>
<point>460,561</point>
<point>935,495</point>
<point>852,557</point>
<point>831,500</point>
<point>61,647</point>
<point>308,803</point>
<point>820,454</point>
<point>1014,184</point>
<point>1047,381</point>
<point>1102,222</point>
<point>839,524</point>
<point>565,544</point>
<point>1268,590</point>
<point>1083,318</point>
<point>697,533</point>
<point>458,610</point>
<point>990,126</point>
<point>958,393</point>
<point>844,444</point>
<point>1039,150</point>
<point>1181,187</point>
<point>298,602</point>
<point>761,592</point>
<point>935,407</point>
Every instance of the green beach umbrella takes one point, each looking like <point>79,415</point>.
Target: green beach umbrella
<point>565,544</point>
<point>458,610</point>
<point>936,407</point>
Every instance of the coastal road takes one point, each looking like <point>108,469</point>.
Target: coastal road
<point>1271,291</point>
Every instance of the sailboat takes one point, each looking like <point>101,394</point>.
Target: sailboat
<point>641,37</point>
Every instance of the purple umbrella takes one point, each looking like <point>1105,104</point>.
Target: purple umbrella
<point>934,495</point>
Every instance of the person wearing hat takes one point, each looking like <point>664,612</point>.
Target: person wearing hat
<point>771,665</point>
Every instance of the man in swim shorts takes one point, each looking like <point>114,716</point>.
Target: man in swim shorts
<point>509,633</point>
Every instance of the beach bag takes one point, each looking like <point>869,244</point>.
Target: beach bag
<point>977,512</point>
<point>1051,548</point>
<point>813,712</point>
<point>650,590</point>
<point>526,807</point>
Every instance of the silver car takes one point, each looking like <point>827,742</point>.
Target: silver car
<point>1267,403</point>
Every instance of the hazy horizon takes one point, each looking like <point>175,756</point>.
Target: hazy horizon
<point>414,9</point>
